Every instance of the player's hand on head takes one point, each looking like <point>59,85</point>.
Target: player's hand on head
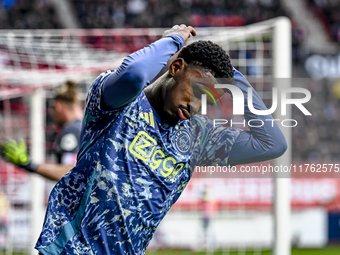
<point>184,31</point>
<point>16,153</point>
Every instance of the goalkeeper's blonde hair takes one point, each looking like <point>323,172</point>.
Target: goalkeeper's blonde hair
<point>68,94</point>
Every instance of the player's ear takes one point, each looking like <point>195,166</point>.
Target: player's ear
<point>176,66</point>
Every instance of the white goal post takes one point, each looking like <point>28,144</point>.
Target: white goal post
<point>282,55</point>
<point>34,61</point>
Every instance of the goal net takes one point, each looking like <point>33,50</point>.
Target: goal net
<point>225,214</point>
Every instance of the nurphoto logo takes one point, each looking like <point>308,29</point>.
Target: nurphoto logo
<point>239,100</point>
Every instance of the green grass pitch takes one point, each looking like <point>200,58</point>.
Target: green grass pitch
<point>332,250</point>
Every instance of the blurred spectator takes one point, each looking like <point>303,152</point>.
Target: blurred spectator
<point>7,3</point>
<point>208,210</point>
<point>28,14</point>
<point>163,13</point>
<point>317,137</point>
<point>328,11</point>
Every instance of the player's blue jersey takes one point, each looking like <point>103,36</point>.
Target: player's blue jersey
<point>132,168</point>
<point>130,171</point>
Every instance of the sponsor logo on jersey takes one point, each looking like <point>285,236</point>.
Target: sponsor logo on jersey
<point>145,148</point>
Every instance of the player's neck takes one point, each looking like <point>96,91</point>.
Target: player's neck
<point>153,97</point>
<point>154,93</point>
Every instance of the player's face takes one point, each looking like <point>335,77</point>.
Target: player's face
<point>182,100</point>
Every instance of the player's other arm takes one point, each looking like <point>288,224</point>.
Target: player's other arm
<point>261,142</point>
<point>141,67</point>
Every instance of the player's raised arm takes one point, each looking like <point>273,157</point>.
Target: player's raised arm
<point>141,67</point>
<point>263,142</point>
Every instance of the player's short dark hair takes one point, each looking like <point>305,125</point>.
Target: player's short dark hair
<point>210,57</point>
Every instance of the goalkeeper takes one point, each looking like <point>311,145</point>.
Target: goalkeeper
<point>139,145</point>
<point>68,116</point>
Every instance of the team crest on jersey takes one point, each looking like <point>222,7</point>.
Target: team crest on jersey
<point>181,141</point>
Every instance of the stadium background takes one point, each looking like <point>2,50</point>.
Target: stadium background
<point>243,207</point>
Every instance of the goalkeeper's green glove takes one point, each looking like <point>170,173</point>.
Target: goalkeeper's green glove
<point>16,153</point>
